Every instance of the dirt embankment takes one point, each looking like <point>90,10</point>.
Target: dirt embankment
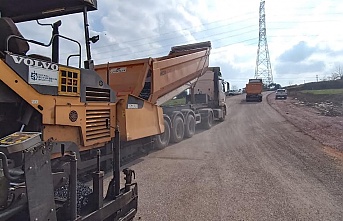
<point>318,116</point>
<point>326,104</point>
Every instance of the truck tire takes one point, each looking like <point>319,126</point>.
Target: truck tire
<point>178,130</point>
<point>190,126</point>
<point>162,140</point>
<point>208,121</point>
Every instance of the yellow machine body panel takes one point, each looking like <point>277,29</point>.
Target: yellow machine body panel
<point>65,118</point>
<point>18,85</point>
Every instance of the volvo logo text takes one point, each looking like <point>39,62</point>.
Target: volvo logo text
<point>34,63</point>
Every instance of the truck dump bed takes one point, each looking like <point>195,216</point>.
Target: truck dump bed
<point>252,88</point>
<point>255,86</point>
<point>154,78</point>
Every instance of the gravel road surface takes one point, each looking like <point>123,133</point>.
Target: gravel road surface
<point>253,166</point>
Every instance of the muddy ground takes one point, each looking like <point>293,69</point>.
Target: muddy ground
<point>320,116</point>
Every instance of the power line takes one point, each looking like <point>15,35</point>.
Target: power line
<point>218,47</point>
<point>160,53</point>
<point>184,29</point>
<point>302,21</point>
<point>195,32</point>
<point>164,48</point>
<point>138,45</point>
<point>162,40</point>
<point>167,46</point>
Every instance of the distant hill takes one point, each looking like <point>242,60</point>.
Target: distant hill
<point>321,85</point>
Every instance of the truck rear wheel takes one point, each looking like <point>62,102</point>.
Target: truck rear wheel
<point>162,140</point>
<point>208,121</point>
<point>178,130</point>
<point>190,126</point>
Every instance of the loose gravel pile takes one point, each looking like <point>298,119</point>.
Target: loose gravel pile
<point>83,194</point>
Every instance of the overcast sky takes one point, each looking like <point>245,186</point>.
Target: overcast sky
<point>304,36</point>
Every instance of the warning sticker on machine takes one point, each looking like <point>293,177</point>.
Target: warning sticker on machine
<point>42,76</point>
<point>118,70</point>
<point>132,106</point>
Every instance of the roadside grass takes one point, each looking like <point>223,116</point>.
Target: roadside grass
<point>326,91</point>
<point>173,102</point>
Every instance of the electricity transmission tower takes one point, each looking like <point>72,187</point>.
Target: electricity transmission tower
<point>263,67</point>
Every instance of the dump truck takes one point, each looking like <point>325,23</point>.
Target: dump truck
<point>157,80</point>
<point>205,104</point>
<point>254,90</point>
<point>61,123</point>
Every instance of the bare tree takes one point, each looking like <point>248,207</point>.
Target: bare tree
<point>337,73</point>
<point>324,78</point>
<point>335,76</point>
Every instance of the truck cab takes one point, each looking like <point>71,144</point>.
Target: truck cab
<point>211,84</point>
<point>210,90</point>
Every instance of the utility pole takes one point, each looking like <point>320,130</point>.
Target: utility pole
<point>263,67</point>
<point>317,77</point>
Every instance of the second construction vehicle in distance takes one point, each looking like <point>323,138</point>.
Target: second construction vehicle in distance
<point>254,90</point>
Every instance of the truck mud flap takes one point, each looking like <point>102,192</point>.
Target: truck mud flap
<point>138,118</point>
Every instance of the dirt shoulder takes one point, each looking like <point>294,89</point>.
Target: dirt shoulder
<point>326,104</point>
<point>326,128</point>
<point>241,170</point>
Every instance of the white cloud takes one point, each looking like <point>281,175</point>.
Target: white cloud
<point>137,29</point>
